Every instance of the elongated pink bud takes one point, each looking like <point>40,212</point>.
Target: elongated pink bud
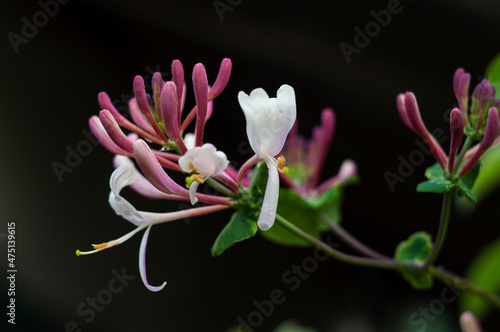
<point>169,108</point>
<point>102,136</point>
<point>114,131</point>
<point>142,102</point>
<point>400,102</point>
<point>200,84</point>
<point>413,113</point>
<point>456,82</point>
<point>157,84</point>
<point>178,78</point>
<point>321,141</point>
<point>153,171</point>
<point>106,104</point>
<point>419,127</point>
<point>137,116</point>
<point>457,133</point>
<point>222,79</point>
<point>489,137</point>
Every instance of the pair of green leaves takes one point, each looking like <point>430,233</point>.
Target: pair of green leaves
<point>439,183</point>
<point>306,213</point>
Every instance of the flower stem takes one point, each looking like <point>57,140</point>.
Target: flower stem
<point>465,284</point>
<point>379,263</point>
<point>465,147</point>
<point>442,230</point>
<point>351,241</point>
<point>220,187</point>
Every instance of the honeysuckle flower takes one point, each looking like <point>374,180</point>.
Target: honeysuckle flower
<point>126,175</point>
<point>269,121</point>
<point>306,158</point>
<point>204,161</point>
<point>479,122</point>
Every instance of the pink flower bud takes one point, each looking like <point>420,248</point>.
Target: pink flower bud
<point>200,84</point>
<point>114,131</point>
<point>222,79</point>
<point>457,133</point>
<point>489,137</point>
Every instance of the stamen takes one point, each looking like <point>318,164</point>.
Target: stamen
<point>105,245</point>
<point>197,178</point>
<point>192,167</point>
<point>281,161</point>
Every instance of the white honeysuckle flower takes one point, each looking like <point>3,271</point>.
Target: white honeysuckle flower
<point>269,120</point>
<point>205,161</point>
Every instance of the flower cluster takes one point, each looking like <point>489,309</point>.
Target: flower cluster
<point>158,143</point>
<point>478,121</point>
<point>307,157</point>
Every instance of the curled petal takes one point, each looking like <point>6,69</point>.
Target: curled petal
<point>142,263</point>
<point>192,192</point>
<point>270,201</point>
<point>141,185</point>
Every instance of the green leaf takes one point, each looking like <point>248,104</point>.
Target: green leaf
<point>416,249</point>
<point>439,184</point>
<point>434,172</point>
<point>493,73</point>
<point>239,228</point>
<point>298,211</point>
<point>483,271</point>
<point>435,186</point>
<point>436,183</point>
<point>243,223</point>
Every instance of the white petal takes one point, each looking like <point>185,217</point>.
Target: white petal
<point>192,192</point>
<point>205,160</point>
<point>189,140</point>
<point>270,202</point>
<point>269,120</point>
<point>142,263</point>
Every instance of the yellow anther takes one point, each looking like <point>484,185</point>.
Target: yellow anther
<point>197,178</point>
<point>281,161</point>
<point>191,166</point>
<point>105,245</point>
<point>285,170</point>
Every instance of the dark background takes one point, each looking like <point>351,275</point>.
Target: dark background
<point>49,90</point>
